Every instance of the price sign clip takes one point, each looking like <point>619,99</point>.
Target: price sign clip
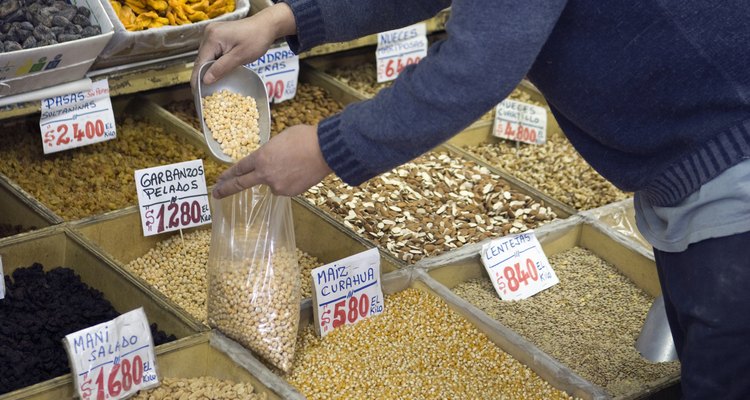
<point>517,266</point>
<point>347,291</point>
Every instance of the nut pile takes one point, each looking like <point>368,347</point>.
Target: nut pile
<point>554,168</point>
<point>309,106</point>
<point>255,304</point>
<point>93,179</point>
<point>25,24</point>
<point>39,309</point>
<point>177,268</point>
<point>435,203</point>
<point>233,121</point>
<point>203,388</point>
<point>363,77</point>
<point>589,321</point>
<point>417,349</point>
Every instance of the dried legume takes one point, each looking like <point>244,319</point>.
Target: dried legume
<point>97,178</point>
<point>589,321</point>
<point>417,349</point>
<point>251,301</point>
<point>433,204</point>
<point>202,388</point>
<point>233,122</point>
<point>177,268</point>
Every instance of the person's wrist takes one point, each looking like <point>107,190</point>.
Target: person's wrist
<point>283,21</point>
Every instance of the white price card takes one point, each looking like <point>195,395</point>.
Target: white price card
<point>347,291</point>
<point>77,119</point>
<point>399,48</point>
<point>279,69</point>
<point>2,279</point>
<point>519,121</point>
<point>172,197</point>
<point>114,359</point>
<point>517,266</point>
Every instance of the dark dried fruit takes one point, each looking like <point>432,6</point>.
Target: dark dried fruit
<point>81,21</point>
<point>59,20</point>
<point>12,46</point>
<point>67,37</point>
<point>29,43</point>
<point>39,309</point>
<point>92,30</point>
<point>8,7</point>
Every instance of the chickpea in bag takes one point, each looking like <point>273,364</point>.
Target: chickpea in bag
<point>253,275</point>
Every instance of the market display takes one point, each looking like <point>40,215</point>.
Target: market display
<point>39,309</point>
<point>418,348</point>
<point>137,15</point>
<point>177,268</point>
<point>25,24</point>
<point>98,178</point>
<point>233,121</point>
<point>555,168</point>
<point>202,388</point>
<point>433,204</point>
<point>589,321</point>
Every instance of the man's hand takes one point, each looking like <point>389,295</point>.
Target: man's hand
<point>240,42</point>
<point>289,164</point>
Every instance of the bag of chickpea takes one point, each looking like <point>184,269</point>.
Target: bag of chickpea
<point>253,276</point>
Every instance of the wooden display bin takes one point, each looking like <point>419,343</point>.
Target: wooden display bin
<point>19,209</point>
<point>548,369</point>
<point>59,246</point>
<point>556,237</point>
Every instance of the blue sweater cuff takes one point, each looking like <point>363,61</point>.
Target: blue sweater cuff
<point>310,27</point>
<point>337,154</point>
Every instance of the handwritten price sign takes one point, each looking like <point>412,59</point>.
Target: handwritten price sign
<point>77,119</point>
<point>347,291</point>
<point>279,69</point>
<point>172,197</point>
<point>113,360</point>
<point>521,122</point>
<point>518,266</point>
<point>399,48</point>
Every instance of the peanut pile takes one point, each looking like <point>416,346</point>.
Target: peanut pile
<point>203,388</point>
<point>433,204</point>
<point>418,348</point>
<point>93,179</point>
<point>589,321</point>
<point>233,122</point>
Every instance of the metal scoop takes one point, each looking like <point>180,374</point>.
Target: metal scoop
<point>243,81</point>
<point>655,341</point>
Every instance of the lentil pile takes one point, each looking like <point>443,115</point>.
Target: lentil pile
<point>203,388</point>
<point>177,268</point>
<point>93,179</point>
<point>251,302</point>
<point>233,121</point>
<point>589,321</point>
<point>417,349</point>
<point>309,106</point>
<point>554,168</point>
<point>39,309</point>
<point>433,204</point>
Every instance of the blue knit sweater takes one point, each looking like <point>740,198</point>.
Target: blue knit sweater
<point>654,94</point>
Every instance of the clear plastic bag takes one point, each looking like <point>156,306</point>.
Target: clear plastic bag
<point>253,275</point>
